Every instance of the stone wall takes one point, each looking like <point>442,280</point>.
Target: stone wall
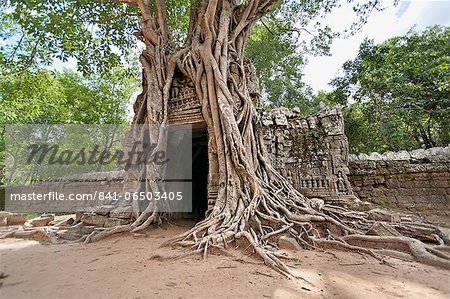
<point>418,180</point>
<point>311,152</point>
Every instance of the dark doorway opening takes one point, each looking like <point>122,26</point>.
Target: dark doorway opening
<point>199,174</point>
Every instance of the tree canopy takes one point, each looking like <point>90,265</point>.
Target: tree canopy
<point>398,92</point>
<point>38,31</point>
<point>99,33</point>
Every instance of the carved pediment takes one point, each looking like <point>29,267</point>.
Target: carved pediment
<point>184,105</point>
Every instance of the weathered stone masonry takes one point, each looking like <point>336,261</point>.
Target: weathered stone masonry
<point>311,151</point>
<point>418,180</point>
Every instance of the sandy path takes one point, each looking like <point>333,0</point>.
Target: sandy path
<point>120,267</point>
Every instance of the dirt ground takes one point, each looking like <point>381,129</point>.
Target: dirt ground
<point>122,267</point>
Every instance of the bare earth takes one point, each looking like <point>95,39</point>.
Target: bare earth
<point>122,267</point>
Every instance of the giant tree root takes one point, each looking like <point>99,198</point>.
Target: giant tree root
<point>313,231</point>
<point>262,230</point>
<point>420,252</point>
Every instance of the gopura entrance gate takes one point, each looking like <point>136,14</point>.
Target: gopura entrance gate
<point>312,152</point>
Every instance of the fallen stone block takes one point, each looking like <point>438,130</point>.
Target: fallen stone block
<point>383,229</point>
<point>288,243</point>
<point>43,220</point>
<point>104,210</point>
<point>7,218</point>
<point>75,232</point>
<point>444,234</point>
<point>383,215</point>
<point>62,222</point>
<point>4,218</point>
<point>122,212</point>
<point>93,219</point>
<point>111,222</point>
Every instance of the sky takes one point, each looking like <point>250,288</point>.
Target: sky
<point>393,21</point>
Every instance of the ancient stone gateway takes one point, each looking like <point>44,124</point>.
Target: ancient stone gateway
<point>185,108</point>
<point>312,152</point>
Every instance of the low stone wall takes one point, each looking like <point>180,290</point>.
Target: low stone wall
<point>418,180</point>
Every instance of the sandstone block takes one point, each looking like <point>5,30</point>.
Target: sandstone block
<point>43,220</point>
<point>383,215</point>
<point>288,243</point>
<point>93,219</point>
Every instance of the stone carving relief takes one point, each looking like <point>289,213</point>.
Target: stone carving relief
<point>184,105</point>
<point>311,152</point>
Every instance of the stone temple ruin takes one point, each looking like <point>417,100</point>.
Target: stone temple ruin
<point>312,152</point>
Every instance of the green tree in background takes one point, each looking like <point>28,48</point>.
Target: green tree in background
<point>399,92</point>
<point>98,36</point>
<point>49,97</point>
<point>278,62</point>
<point>278,46</point>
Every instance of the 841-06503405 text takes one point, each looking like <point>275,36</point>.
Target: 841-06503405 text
<point>109,196</point>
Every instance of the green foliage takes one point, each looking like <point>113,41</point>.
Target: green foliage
<point>48,97</point>
<point>400,91</point>
<point>99,33</point>
<point>37,31</point>
<point>275,56</point>
<point>279,43</point>
<point>178,12</point>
